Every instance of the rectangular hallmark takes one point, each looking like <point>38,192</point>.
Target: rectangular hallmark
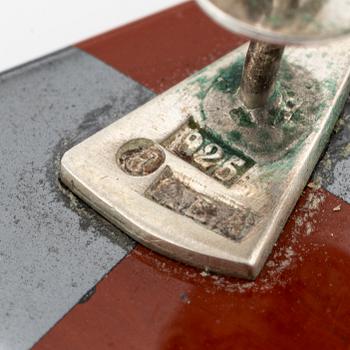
<point>229,221</point>
<point>209,153</point>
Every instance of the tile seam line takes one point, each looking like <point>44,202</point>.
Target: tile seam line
<point>121,72</point>
<point>95,286</point>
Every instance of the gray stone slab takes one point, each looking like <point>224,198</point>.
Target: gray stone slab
<point>53,248</point>
<point>333,171</point>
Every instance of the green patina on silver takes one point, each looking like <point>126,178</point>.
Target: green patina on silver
<point>266,134</point>
<point>295,110</point>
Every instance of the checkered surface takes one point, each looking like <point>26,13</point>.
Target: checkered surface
<point>58,250</point>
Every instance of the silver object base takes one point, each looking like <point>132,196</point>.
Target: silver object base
<point>194,176</point>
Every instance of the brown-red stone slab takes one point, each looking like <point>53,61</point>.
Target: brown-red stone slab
<point>161,50</point>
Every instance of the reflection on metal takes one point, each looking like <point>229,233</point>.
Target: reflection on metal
<point>196,175</point>
<point>282,21</point>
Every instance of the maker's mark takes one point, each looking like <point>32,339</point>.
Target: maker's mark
<point>232,221</point>
<point>140,157</point>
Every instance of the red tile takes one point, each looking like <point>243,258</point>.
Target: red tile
<point>163,49</point>
<point>299,301</point>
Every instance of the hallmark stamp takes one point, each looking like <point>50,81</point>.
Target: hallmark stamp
<point>208,153</point>
<point>140,157</point>
<point>227,220</point>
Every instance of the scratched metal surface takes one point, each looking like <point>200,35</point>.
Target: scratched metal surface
<point>53,249</point>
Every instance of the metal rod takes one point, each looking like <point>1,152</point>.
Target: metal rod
<point>259,74</point>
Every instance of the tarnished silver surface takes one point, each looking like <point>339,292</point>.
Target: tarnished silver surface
<point>282,21</point>
<point>206,136</point>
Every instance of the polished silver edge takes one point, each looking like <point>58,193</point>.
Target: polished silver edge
<point>246,268</point>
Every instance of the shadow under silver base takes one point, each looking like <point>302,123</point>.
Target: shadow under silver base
<point>195,176</point>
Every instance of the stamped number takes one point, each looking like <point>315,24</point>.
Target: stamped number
<point>191,143</point>
<point>209,156</point>
<point>226,172</point>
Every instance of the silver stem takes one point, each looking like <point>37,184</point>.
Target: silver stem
<point>259,74</point>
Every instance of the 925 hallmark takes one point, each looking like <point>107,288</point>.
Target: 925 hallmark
<point>208,153</point>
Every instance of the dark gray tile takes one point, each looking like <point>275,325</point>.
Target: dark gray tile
<point>333,171</point>
<point>53,248</point>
